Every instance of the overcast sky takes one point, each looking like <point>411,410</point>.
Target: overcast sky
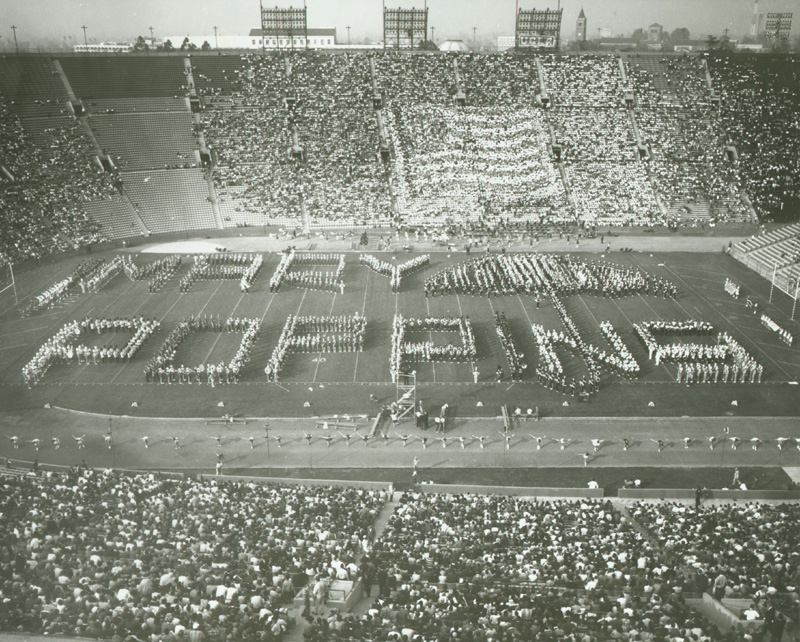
<point>125,19</point>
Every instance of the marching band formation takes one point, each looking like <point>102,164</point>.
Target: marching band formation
<point>316,334</point>
<point>161,369</point>
<point>310,279</point>
<point>61,290</point>
<point>158,272</point>
<point>394,272</point>
<point>549,275</point>
<point>61,348</point>
<point>700,362</point>
<point>514,357</point>
<point>404,352</point>
<point>102,275</point>
<point>539,274</point>
<point>212,267</point>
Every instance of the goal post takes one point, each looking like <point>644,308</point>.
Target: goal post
<point>7,281</point>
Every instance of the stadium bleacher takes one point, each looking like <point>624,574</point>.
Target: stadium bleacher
<point>456,567</point>
<point>138,141</point>
<point>187,208</point>
<point>487,162</point>
<point>94,77</point>
<point>30,79</point>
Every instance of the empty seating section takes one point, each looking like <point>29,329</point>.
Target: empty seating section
<point>147,140</point>
<point>30,79</point>
<point>94,77</point>
<point>215,75</point>
<point>170,200</point>
<point>686,138</point>
<point>760,113</point>
<point>138,105</point>
<point>777,253</point>
<point>40,129</point>
<point>114,216</point>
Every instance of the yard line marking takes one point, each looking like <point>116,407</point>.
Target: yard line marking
<point>319,355</point>
<point>263,316</point>
<point>170,307</point>
<point>589,310</point>
<point>19,345</point>
<point>211,297</point>
<point>219,334</point>
<point>648,305</point>
<point>735,327</point>
<point>461,312</point>
<point>527,316</point>
<point>683,267</point>
<point>430,336</point>
<point>363,312</point>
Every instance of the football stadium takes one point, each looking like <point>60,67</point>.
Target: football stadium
<point>311,341</point>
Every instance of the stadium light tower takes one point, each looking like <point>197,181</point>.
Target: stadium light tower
<point>348,35</point>
<point>216,44</point>
<point>16,44</point>
<point>85,41</point>
<point>151,34</point>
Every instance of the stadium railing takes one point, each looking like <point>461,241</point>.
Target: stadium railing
<point>291,481</point>
<point>689,493</point>
<point>521,491</point>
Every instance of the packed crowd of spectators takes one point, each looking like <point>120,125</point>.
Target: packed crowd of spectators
<point>609,185</point>
<point>745,551</point>
<point>485,160</point>
<point>99,555</point>
<point>478,568</point>
<point>341,178</point>
<point>42,208</point>
<point>685,136</point>
<point>760,113</point>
